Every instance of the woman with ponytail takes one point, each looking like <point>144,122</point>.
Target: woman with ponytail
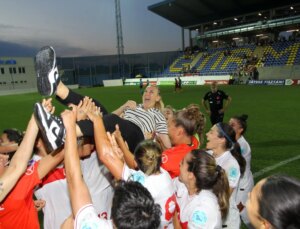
<point>202,191</point>
<point>225,149</point>
<point>182,128</point>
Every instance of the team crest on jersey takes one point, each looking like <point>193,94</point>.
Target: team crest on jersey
<point>139,177</point>
<point>30,170</point>
<point>233,173</point>
<point>199,218</point>
<point>164,158</point>
<point>170,207</point>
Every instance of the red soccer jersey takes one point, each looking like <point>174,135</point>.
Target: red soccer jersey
<point>172,157</point>
<point>17,210</point>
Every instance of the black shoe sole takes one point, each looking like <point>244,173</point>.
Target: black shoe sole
<point>38,118</point>
<point>45,61</point>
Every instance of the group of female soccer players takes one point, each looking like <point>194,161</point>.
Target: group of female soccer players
<point>141,166</point>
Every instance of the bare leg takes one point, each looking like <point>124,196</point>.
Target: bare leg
<point>62,90</point>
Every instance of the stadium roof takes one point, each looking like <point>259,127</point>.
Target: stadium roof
<point>192,13</point>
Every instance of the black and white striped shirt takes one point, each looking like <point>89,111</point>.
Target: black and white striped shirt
<point>151,120</point>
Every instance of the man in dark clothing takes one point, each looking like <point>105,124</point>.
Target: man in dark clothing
<point>176,84</point>
<point>215,98</point>
<point>179,83</point>
<point>141,87</point>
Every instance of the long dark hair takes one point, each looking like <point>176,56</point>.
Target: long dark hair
<point>279,202</point>
<point>209,175</point>
<point>227,132</point>
<point>242,120</point>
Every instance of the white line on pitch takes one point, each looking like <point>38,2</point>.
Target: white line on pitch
<point>270,168</point>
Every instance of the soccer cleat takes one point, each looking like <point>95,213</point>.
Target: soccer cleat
<point>46,71</point>
<point>51,127</point>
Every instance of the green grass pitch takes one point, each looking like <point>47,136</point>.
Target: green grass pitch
<point>273,123</point>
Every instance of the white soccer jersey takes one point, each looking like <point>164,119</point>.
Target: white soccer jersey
<point>246,153</point>
<point>151,120</point>
<point>246,182</point>
<point>232,169</point>
<point>98,179</point>
<point>161,188</point>
<point>87,217</point>
<point>55,192</point>
<point>199,211</point>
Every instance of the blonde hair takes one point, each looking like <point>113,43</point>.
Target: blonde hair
<point>159,104</point>
<point>148,156</point>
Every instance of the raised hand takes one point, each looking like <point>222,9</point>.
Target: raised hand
<point>117,133</point>
<point>93,112</point>
<point>47,104</point>
<point>115,147</point>
<point>69,117</point>
<point>123,149</point>
<point>130,104</point>
<point>83,108</point>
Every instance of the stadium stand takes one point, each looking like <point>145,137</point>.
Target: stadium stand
<point>212,62</point>
<point>235,39</point>
<point>282,53</point>
<point>216,62</point>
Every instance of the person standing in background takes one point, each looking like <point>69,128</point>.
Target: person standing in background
<point>179,83</point>
<point>176,85</point>
<point>141,86</point>
<point>215,98</point>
